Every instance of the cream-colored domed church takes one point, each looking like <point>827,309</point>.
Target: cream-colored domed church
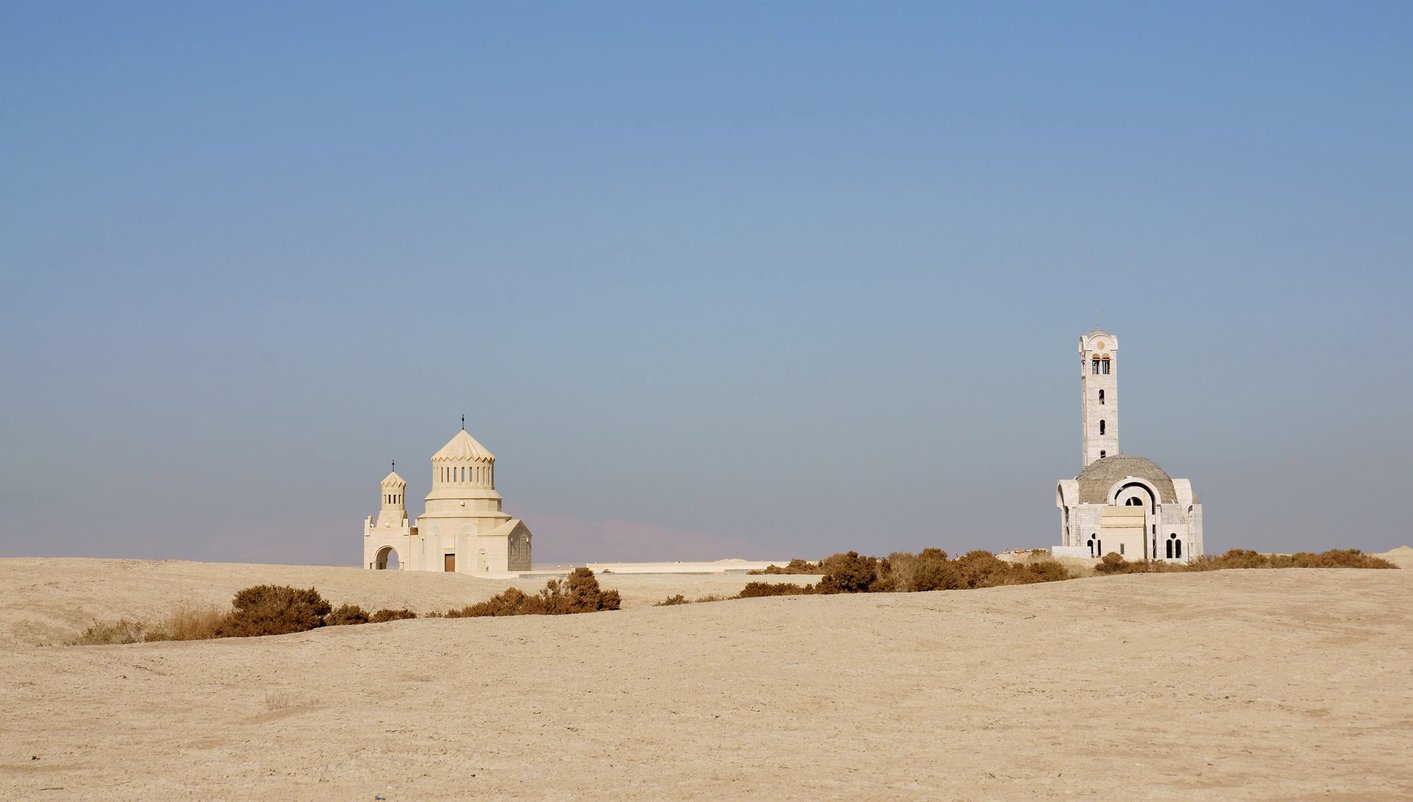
<point>1120,503</point>
<point>462,529</point>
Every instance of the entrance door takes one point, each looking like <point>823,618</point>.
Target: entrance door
<point>449,563</point>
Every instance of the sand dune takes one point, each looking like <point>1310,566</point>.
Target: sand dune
<point>1226,685</point>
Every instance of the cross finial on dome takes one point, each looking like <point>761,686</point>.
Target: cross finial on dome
<point>463,421</point>
<point>394,466</point>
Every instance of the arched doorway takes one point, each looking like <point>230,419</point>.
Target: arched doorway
<point>387,559</point>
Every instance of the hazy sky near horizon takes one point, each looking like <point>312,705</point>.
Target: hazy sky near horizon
<point>718,279</point>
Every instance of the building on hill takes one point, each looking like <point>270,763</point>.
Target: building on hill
<point>461,530</point>
<point>1120,503</point>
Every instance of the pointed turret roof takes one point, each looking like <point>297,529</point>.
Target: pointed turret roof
<point>463,448</point>
<point>393,480</point>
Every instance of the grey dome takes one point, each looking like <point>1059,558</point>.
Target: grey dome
<point>1099,478</point>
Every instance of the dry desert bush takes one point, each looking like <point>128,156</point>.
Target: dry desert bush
<point>672,601</point>
<point>346,614</point>
<point>793,567</point>
<point>188,622</point>
<point>1244,558</point>
<point>103,633</point>
<point>384,615</point>
<point>273,610</point>
<point>757,589</point>
<point>902,572</point>
<point>578,593</point>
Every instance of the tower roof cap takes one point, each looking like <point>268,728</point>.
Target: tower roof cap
<point>393,480</point>
<point>463,448</point>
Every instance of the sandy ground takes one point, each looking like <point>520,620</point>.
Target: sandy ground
<point>1292,684</point>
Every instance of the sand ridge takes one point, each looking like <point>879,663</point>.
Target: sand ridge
<point>1223,685</point>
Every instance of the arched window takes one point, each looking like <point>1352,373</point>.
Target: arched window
<point>1101,398</point>
<point>1102,426</point>
<point>1091,547</point>
<point>1094,366</point>
<point>1169,550</point>
<point>1103,454</point>
<point>1177,548</point>
<point>1104,365</point>
<point>1134,502</point>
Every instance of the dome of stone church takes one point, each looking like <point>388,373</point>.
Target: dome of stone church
<point>463,448</point>
<point>393,480</point>
<point>1099,478</point>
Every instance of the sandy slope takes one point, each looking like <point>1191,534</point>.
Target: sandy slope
<point>1226,685</point>
<point>49,600</point>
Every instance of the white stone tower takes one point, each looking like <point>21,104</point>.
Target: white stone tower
<point>393,512</point>
<point>1099,394</point>
<point>463,486</point>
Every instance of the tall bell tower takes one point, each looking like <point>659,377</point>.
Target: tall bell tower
<point>1099,394</point>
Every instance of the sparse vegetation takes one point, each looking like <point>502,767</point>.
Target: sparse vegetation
<point>384,615</point>
<point>346,614</point>
<point>273,610</point>
<point>103,633</point>
<point>1244,558</point>
<point>277,610</point>
<point>902,572</point>
<point>756,589</point>
<point>793,567</point>
<point>578,593</point>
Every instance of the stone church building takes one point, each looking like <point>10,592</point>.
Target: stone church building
<point>1120,503</point>
<point>462,528</point>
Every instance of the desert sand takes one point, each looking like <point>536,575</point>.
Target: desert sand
<point>1289,684</point>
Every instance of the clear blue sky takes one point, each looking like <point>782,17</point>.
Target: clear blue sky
<point>750,279</point>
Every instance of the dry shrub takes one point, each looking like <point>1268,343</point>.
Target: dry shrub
<point>929,569</point>
<point>273,610</point>
<point>672,601</point>
<point>346,614</point>
<point>578,593</point>
<point>384,615</point>
<point>795,566</point>
<point>1244,558</point>
<point>511,602</point>
<point>754,590</point>
<point>103,633</point>
<point>711,597</point>
<point>850,573</point>
<point>189,622</point>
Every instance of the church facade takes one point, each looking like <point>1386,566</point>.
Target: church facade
<point>462,529</point>
<point>1120,503</point>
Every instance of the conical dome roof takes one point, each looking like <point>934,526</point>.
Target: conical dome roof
<point>463,448</point>
<point>393,480</point>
